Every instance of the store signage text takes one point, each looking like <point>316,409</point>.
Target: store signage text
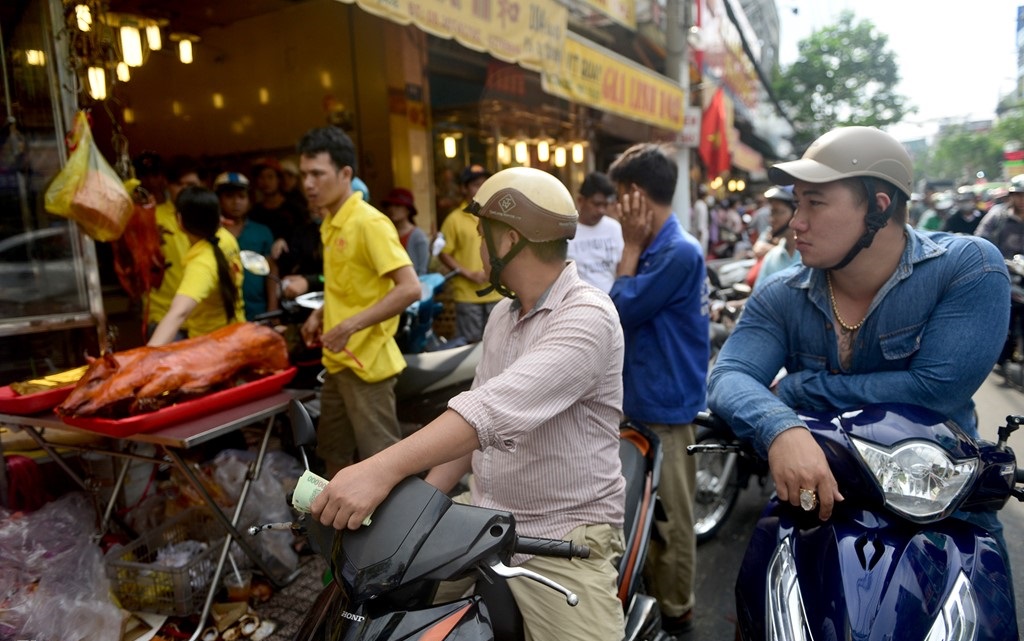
<point>591,75</point>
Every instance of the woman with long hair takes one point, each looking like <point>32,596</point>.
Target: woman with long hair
<point>209,296</point>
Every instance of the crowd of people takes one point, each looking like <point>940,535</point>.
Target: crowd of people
<point>593,308</point>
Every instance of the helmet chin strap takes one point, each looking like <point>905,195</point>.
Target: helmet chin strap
<point>498,264</point>
<point>874,220</point>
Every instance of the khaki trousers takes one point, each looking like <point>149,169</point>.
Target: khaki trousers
<point>355,417</point>
<point>670,566</point>
<point>546,615</point>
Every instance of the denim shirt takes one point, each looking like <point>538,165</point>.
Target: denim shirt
<point>930,338</point>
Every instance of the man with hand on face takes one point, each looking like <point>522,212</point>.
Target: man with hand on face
<point>369,280</point>
<point>878,313</point>
<point>540,427</point>
<point>661,295</point>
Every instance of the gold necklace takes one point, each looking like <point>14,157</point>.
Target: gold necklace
<point>835,308</point>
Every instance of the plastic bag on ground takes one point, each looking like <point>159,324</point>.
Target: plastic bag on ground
<point>52,575</point>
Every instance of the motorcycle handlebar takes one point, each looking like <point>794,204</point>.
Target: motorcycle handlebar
<point>551,547</point>
<point>707,419</point>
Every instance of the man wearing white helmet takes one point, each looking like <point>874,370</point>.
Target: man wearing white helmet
<point>784,253</point>
<point>879,312</point>
<point>540,427</point>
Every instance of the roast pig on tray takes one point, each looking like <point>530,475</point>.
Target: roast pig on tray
<point>145,379</point>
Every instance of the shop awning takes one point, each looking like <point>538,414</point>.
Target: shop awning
<point>529,32</point>
<point>592,75</point>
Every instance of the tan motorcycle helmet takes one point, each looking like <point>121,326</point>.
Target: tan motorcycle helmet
<point>850,152</point>
<point>530,201</point>
<point>865,153</point>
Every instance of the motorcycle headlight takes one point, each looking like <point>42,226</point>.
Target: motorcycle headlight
<point>958,620</point>
<point>919,480</point>
<point>787,620</point>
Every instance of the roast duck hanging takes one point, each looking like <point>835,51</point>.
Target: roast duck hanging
<point>145,379</point>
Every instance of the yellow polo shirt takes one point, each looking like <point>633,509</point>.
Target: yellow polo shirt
<point>201,283</point>
<point>174,244</point>
<point>360,246</point>
<point>462,242</point>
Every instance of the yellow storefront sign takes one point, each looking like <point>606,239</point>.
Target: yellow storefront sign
<point>527,32</point>
<point>591,75</point>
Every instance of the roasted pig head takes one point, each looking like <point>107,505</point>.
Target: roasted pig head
<point>144,379</point>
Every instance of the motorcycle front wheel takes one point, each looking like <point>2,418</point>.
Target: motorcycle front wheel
<point>717,486</point>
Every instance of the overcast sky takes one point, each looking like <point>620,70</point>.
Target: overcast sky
<point>955,58</point>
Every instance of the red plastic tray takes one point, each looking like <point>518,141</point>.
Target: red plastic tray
<point>186,410</point>
<point>24,405</point>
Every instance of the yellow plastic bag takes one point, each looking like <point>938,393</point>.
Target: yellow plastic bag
<point>87,190</point>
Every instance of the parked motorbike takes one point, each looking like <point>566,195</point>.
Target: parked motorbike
<point>385,574</point>
<point>892,562</point>
<point>725,467</point>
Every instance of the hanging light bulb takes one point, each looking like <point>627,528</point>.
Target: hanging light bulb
<point>559,156</point>
<point>264,95</point>
<point>449,147</point>
<point>543,151</point>
<point>35,57</point>
<point>504,154</point>
<point>123,72</point>
<point>577,153</point>
<point>83,16</point>
<point>522,153</point>
<point>129,115</point>
<point>153,37</point>
<point>741,184</point>
<point>97,83</point>
<point>131,46</point>
<point>185,51</point>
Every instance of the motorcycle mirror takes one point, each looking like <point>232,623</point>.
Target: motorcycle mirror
<point>255,263</point>
<point>310,300</point>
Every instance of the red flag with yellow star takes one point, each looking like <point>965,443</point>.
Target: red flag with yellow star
<point>714,141</point>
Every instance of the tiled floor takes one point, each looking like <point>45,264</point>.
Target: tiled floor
<point>289,605</point>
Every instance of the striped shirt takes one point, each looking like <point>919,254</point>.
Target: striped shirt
<point>546,404</point>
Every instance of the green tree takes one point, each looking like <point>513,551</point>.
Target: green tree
<point>844,75</point>
<point>959,155</point>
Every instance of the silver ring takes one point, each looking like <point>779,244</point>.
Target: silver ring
<point>808,499</point>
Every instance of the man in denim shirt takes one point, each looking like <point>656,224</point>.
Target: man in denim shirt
<point>877,312</point>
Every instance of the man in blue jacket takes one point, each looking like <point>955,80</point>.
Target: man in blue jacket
<point>661,295</point>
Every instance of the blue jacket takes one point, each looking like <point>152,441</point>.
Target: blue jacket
<point>664,315</point>
<point>930,338</point>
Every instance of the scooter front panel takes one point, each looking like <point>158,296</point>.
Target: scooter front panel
<point>864,576</point>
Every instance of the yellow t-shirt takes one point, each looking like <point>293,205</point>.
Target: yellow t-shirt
<point>201,283</point>
<point>462,242</point>
<point>360,246</point>
<point>175,245</point>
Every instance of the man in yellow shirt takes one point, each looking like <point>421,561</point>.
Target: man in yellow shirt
<point>174,243</point>
<point>368,282</point>
<point>462,253</point>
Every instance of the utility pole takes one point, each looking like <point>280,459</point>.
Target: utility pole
<point>677,66</point>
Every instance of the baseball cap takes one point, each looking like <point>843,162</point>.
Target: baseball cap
<point>471,173</point>
<point>403,197</point>
<point>229,180</point>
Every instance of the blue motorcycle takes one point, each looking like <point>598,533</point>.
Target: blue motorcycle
<point>904,556</point>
